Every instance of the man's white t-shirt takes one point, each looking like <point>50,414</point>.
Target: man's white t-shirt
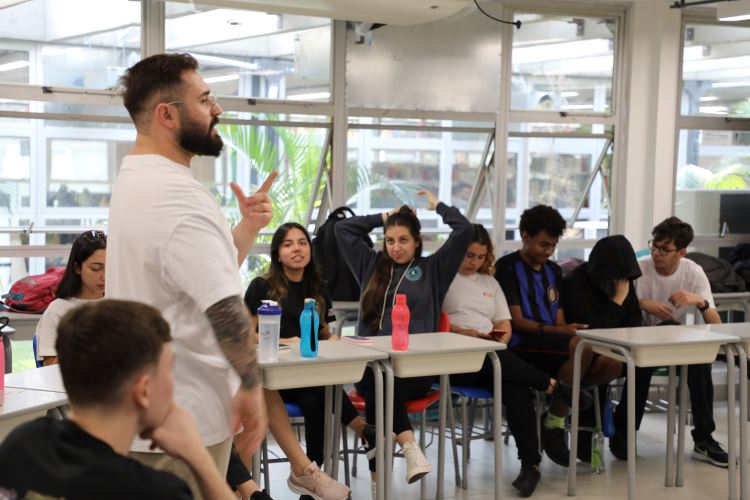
<point>170,246</point>
<point>688,276</point>
<point>475,301</point>
<point>46,328</point>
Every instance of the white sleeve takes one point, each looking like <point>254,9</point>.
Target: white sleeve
<point>502,311</point>
<point>200,260</point>
<point>702,286</point>
<point>46,329</point>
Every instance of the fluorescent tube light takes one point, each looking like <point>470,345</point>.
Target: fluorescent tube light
<point>738,10</point>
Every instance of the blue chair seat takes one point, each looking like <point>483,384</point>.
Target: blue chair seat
<point>467,391</point>
<point>293,410</point>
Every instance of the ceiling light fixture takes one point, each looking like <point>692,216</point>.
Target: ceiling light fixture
<point>13,65</point>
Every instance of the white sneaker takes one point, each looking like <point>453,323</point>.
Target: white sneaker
<point>317,484</point>
<point>374,490</point>
<point>416,463</point>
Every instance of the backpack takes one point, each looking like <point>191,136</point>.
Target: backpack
<point>720,274</point>
<point>342,284</point>
<point>33,294</point>
<point>740,260</point>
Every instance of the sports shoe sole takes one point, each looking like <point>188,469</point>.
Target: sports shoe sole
<point>696,455</point>
<point>299,490</point>
<point>419,474</point>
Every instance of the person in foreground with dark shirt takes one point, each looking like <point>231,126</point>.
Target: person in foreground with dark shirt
<point>116,363</point>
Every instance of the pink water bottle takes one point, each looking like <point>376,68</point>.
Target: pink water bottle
<point>400,324</point>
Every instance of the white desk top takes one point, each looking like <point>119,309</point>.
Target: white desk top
<point>337,363</point>
<point>437,353</point>
<point>731,295</point>
<point>661,345</point>
<point>345,305</point>
<point>741,330</point>
<point>47,378</point>
<point>23,401</point>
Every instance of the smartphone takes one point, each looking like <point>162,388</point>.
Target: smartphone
<point>497,334</point>
<point>357,339</point>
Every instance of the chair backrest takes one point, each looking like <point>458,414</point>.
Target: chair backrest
<point>38,363</point>
<point>444,323</point>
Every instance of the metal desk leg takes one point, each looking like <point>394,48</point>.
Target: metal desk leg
<point>631,426</point>
<point>380,473</point>
<point>336,442</point>
<point>742,355</point>
<point>672,400</point>
<point>388,417</point>
<point>497,428</point>
<point>731,424</point>
<point>327,430</point>
<point>680,479</point>
<point>440,492</point>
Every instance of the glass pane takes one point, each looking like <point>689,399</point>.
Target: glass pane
<point>81,172</point>
<point>254,54</point>
<point>715,70</point>
<point>563,63</point>
<point>555,171</point>
<point>713,181</point>
<point>53,43</point>
<point>15,174</point>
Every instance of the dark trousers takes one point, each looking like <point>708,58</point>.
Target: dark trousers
<point>701,390</point>
<point>518,377</point>
<point>404,389</point>
<point>311,401</point>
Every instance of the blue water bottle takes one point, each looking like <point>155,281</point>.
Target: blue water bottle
<point>308,325</point>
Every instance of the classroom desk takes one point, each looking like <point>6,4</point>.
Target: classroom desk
<point>646,347</point>
<point>741,330</point>
<point>731,302</point>
<point>346,312</point>
<point>440,354</point>
<point>47,378</point>
<point>22,405</point>
<point>337,363</point>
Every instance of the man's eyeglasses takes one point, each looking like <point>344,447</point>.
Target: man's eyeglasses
<point>661,250</point>
<point>93,235</point>
<point>207,101</point>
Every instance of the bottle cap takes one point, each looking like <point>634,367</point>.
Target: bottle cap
<point>269,307</point>
<point>400,298</point>
<point>310,303</point>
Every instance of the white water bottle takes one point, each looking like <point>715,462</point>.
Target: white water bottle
<point>269,324</point>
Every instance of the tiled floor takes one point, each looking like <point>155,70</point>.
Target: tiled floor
<point>702,481</point>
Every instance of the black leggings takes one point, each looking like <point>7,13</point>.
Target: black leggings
<point>311,401</point>
<point>404,389</point>
<point>518,377</point>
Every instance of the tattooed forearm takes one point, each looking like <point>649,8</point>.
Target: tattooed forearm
<point>231,325</point>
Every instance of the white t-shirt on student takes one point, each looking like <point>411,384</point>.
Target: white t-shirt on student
<point>170,246</point>
<point>688,276</point>
<point>475,301</point>
<point>46,328</point>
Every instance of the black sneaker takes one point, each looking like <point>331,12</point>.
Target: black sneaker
<point>260,495</point>
<point>710,451</point>
<point>564,393</point>
<point>526,481</point>
<point>553,442</point>
<point>618,445</point>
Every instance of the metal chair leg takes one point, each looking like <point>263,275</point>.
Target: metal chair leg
<point>347,480</point>
<point>456,466</point>
<point>422,431</point>
<point>266,472</point>
<point>464,442</point>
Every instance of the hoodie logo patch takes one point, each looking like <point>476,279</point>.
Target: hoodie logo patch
<point>552,294</point>
<point>414,274</point>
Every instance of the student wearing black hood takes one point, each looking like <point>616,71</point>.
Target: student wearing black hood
<point>600,293</point>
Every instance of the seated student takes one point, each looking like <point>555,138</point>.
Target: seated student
<point>293,276</point>
<point>670,287</point>
<point>542,337</point>
<point>476,306</point>
<point>83,280</point>
<point>116,363</point>
<point>601,294</point>
<point>399,268</point>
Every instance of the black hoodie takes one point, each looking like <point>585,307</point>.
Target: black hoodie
<point>588,289</point>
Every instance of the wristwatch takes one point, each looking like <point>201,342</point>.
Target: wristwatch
<point>704,306</point>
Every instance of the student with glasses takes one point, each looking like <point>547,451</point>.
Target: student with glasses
<point>669,288</point>
<point>82,281</point>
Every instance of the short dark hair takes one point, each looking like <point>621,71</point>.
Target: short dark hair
<point>103,344</point>
<point>542,218</point>
<point>83,247</point>
<point>158,76</point>
<point>673,229</point>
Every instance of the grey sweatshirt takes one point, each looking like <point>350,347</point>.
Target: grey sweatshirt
<point>427,279</point>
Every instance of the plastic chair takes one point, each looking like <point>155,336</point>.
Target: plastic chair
<point>39,364</point>
<point>413,407</point>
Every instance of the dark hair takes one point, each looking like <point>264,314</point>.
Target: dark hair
<point>312,282</point>
<point>374,293</point>
<point>156,77</point>
<point>673,229</point>
<point>482,237</point>
<point>103,344</point>
<point>83,247</point>
<point>542,218</point>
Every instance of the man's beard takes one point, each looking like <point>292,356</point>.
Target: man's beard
<point>194,138</point>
